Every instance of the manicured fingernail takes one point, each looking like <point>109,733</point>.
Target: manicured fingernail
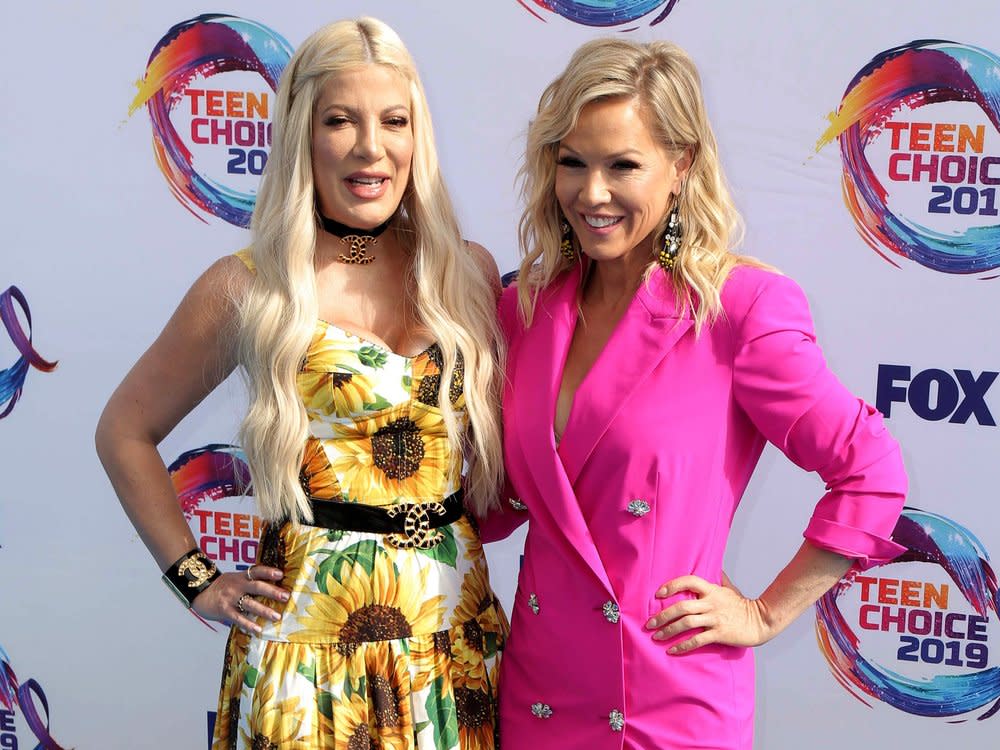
<point>661,593</point>
<point>284,597</point>
<point>651,623</point>
<point>672,650</point>
<point>275,616</point>
<point>658,636</point>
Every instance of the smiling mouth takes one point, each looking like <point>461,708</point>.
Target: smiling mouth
<point>600,222</point>
<point>367,181</point>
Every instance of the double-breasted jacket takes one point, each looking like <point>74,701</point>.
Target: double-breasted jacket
<point>663,435</point>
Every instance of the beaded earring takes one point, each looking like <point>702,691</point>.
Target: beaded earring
<point>566,243</point>
<point>671,240</point>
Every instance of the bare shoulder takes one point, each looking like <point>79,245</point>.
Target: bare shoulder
<point>222,285</point>
<point>230,273</point>
<point>209,310</point>
<point>487,264</point>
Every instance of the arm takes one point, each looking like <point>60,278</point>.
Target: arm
<point>187,361</point>
<point>781,381</point>
<point>488,265</point>
<point>726,616</point>
<point>500,522</point>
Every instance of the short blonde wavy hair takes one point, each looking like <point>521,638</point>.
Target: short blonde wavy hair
<point>279,313</point>
<point>664,80</point>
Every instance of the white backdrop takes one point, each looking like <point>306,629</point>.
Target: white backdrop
<point>103,253</point>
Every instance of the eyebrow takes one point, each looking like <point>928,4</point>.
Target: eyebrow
<point>354,112</point>
<point>627,153</point>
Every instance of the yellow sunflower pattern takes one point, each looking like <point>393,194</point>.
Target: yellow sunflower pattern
<point>333,379</point>
<point>377,648</point>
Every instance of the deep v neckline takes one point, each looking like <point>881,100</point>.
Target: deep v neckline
<point>647,332</point>
<point>575,318</point>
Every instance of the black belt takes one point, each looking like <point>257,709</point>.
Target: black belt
<point>405,525</point>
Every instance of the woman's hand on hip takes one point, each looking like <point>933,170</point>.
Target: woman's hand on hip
<point>230,598</point>
<point>719,614</point>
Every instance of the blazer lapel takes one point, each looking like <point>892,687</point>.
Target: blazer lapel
<point>648,330</point>
<point>536,379</point>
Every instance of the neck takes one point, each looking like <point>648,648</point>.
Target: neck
<point>611,283</point>
<point>342,230</point>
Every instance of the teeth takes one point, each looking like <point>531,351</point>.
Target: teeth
<point>368,180</point>
<point>601,221</point>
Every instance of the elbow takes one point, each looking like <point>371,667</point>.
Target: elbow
<point>104,436</point>
<point>113,430</point>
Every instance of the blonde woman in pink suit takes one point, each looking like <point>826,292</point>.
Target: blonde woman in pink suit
<point>648,364</point>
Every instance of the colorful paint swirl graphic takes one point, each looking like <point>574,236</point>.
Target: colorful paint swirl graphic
<point>12,379</point>
<point>23,695</point>
<point>210,473</point>
<point>203,47</point>
<point>602,13</point>
<point>932,539</point>
<point>913,75</point>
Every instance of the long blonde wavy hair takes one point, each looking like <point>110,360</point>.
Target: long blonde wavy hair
<point>664,80</point>
<point>278,314</point>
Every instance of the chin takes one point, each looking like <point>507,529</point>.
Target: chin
<point>602,255</point>
<point>367,215</point>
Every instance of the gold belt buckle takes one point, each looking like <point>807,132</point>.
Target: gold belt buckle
<point>417,531</point>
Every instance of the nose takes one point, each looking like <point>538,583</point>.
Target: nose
<point>369,141</point>
<point>594,189</point>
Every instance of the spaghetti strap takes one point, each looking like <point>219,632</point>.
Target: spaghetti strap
<point>244,255</point>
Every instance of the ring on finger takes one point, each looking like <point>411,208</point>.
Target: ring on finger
<point>249,576</point>
<point>239,604</point>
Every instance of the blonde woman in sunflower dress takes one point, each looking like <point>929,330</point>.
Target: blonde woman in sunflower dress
<point>365,329</point>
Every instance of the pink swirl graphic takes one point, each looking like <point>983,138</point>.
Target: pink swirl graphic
<point>209,473</point>
<point>14,695</point>
<point>12,379</point>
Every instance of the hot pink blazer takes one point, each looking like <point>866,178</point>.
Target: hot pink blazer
<point>663,436</point>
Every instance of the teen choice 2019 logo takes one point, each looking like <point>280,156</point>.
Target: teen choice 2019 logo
<point>919,132</point>
<point>920,633</point>
<point>213,488</point>
<point>209,90</point>
<point>602,12</point>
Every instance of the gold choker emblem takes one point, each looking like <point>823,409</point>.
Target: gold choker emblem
<point>358,255</point>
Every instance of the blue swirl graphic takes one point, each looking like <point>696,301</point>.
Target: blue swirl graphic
<point>605,13</point>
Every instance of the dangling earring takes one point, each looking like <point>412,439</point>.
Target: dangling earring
<point>671,239</point>
<point>566,243</point>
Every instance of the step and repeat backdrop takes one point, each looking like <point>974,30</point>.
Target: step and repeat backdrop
<point>862,143</point>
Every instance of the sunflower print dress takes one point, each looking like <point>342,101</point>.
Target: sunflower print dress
<point>378,648</point>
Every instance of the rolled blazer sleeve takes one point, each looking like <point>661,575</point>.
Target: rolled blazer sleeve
<point>783,384</point>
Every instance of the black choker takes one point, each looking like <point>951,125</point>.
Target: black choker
<point>358,240</point>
